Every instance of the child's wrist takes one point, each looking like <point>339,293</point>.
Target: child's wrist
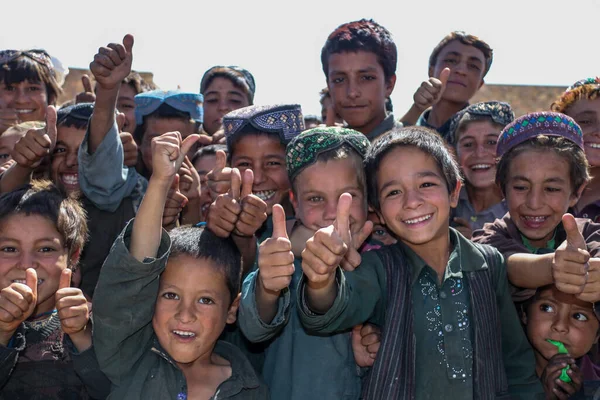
<point>82,339</point>
<point>5,337</point>
<point>161,181</point>
<point>264,293</point>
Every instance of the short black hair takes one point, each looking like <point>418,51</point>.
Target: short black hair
<point>210,150</point>
<point>424,139</point>
<point>363,35</point>
<point>466,39</point>
<point>75,116</point>
<point>164,111</point>
<point>198,242</point>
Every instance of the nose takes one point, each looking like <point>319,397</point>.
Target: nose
<point>534,199</point>
<point>20,95</point>
<point>71,160</point>
<point>412,199</point>
<point>480,150</point>
<point>560,324</point>
<point>223,106</point>
<point>186,312</point>
<point>460,68</point>
<point>330,211</point>
<point>353,90</point>
<point>26,260</point>
<point>259,176</point>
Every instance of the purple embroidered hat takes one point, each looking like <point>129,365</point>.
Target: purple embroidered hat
<point>538,123</point>
<point>286,120</point>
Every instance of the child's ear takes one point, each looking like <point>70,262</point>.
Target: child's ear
<point>232,312</point>
<point>455,194</point>
<point>389,85</point>
<point>524,318</point>
<point>481,84</point>
<point>577,195</point>
<point>74,258</point>
<point>294,202</point>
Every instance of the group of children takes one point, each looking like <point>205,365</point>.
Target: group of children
<point>172,245</point>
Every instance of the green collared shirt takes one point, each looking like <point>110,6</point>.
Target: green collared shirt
<point>442,328</point>
<point>549,248</point>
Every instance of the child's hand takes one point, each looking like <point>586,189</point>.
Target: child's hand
<point>168,152</point>
<point>174,204</point>
<point>431,91</point>
<point>352,259</point>
<point>591,290</point>
<point>88,95</point>
<point>224,212</point>
<point>130,149</point>
<point>219,179</point>
<point>553,386</point>
<point>8,117</point>
<point>254,210</point>
<point>17,303</point>
<point>71,305</point>
<point>31,149</point>
<point>112,63</point>
<point>570,263</point>
<point>189,181</point>
<point>326,249</point>
<point>366,340</point>
<point>275,257</point>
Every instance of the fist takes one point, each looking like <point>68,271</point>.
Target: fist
<point>112,63</point>
<point>71,306</point>
<point>430,92</point>
<point>130,149</point>
<point>275,257</point>
<point>17,303</point>
<point>31,149</point>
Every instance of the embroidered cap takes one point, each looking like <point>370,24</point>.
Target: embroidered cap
<point>81,111</point>
<point>500,113</point>
<point>284,119</point>
<point>586,81</point>
<point>305,148</point>
<point>148,102</point>
<point>538,123</point>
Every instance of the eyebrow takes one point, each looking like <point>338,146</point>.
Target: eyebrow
<point>370,68</point>
<point>553,179</point>
<point>235,92</point>
<point>421,174</point>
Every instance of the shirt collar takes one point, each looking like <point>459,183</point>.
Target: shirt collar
<point>386,125</point>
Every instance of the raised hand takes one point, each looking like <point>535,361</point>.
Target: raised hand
<point>254,210</point>
<point>112,63</point>
<point>591,290</point>
<point>88,95</point>
<point>219,179</point>
<point>275,257</point>
<point>570,263</point>
<point>174,204</point>
<point>352,259</point>
<point>189,180</point>
<point>130,149</point>
<point>224,212</point>
<point>17,303</point>
<point>168,153</point>
<point>430,92</point>
<point>31,149</point>
<point>71,305</point>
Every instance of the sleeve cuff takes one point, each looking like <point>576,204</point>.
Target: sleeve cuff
<point>310,318</point>
<point>131,264</point>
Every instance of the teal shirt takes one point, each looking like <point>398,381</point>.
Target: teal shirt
<point>362,297</point>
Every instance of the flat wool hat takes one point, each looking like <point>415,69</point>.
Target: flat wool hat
<point>286,120</point>
<point>538,123</point>
<point>305,148</point>
<point>148,102</point>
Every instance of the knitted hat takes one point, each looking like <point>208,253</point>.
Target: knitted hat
<point>499,112</point>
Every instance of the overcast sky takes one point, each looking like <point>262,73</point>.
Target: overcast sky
<point>535,42</point>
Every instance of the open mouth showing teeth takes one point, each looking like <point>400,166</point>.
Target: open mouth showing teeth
<point>24,111</point>
<point>265,194</point>
<point>417,220</point>
<point>70,179</point>
<point>184,334</point>
<point>481,166</point>
<point>534,218</point>
<point>594,145</point>
<point>24,282</point>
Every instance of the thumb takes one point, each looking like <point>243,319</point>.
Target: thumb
<point>279,223</point>
<point>65,279</point>
<point>221,161</point>
<point>51,125</point>
<point>444,75</point>
<point>574,237</point>
<point>87,84</point>
<point>236,183</point>
<point>342,219</point>
<point>187,144</point>
<point>247,182</point>
<point>359,238</point>
<point>128,43</point>
<point>31,280</point>
<point>175,184</point>
<point>121,118</point>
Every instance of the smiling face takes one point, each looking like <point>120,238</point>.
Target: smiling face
<point>264,154</point>
<point>414,200</point>
<point>560,317</point>
<point>467,66</point>
<point>358,89</point>
<point>29,99</point>
<point>476,151</point>
<point>538,193</point>
<point>192,308</point>
<point>126,105</point>
<point>221,97</point>
<point>587,115</point>
<point>32,242</point>
<point>158,126</point>
<point>65,167</point>
<point>318,190</point>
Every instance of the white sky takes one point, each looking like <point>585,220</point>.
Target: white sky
<point>535,42</point>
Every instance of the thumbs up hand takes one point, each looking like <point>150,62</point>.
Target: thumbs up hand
<point>219,179</point>
<point>71,305</point>
<point>224,211</point>
<point>325,251</point>
<point>88,95</point>
<point>112,63</point>
<point>31,149</point>
<point>275,257</point>
<point>430,92</point>
<point>570,264</point>
<point>254,210</point>
<point>17,303</point>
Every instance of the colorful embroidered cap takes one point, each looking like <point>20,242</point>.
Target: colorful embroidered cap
<point>538,123</point>
<point>499,112</point>
<point>284,119</point>
<point>81,112</point>
<point>305,148</point>
<point>586,81</point>
<point>239,72</point>
<point>148,102</point>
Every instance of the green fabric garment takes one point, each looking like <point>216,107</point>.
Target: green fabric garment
<point>549,248</point>
<point>362,297</point>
